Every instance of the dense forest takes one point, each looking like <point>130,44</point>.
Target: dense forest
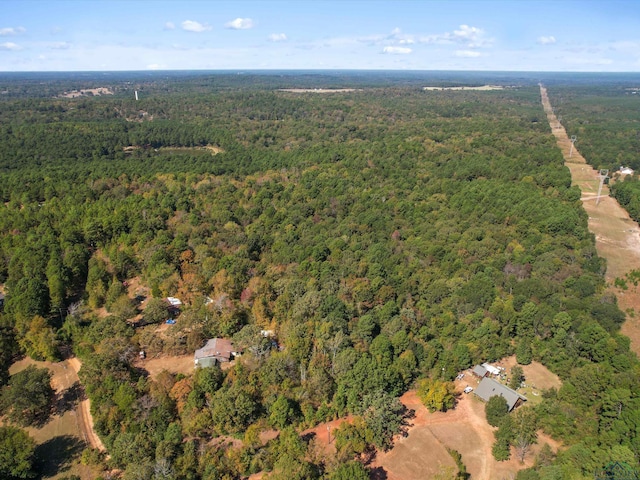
<point>387,235</point>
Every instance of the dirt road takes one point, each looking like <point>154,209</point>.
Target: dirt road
<point>83,413</point>
<point>617,235</point>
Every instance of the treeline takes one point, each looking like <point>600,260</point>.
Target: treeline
<point>605,121</point>
<point>384,236</point>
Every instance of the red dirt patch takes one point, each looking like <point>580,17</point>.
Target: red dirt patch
<point>464,429</point>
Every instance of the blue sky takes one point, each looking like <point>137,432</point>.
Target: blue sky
<point>538,35</point>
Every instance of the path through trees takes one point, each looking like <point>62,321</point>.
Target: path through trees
<point>617,235</point>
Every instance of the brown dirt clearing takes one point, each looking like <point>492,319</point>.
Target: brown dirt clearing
<point>175,364</point>
<point>464,429</point>
<point>319,90</point>
<point>617,235</point>
<point>66,433</point>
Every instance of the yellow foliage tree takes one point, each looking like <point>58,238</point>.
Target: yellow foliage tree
<point>437,395</point>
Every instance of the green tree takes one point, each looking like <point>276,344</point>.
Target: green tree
<point>115,291</point>
<point>383,416</point>
<point>8,348</point>
<point>156,311</point>
<point>281,412</point>
<point>504,435</point>
<point>17,451</point>
<point>124,308</point>
<point>437,395</point>
<point>352,470</point>
<point>525,426</point>
<point>517,377</point>
<point>495,410</point>
<point>289,454</point>
<point>27,398</point>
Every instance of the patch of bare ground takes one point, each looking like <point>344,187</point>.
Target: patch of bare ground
<point>87,92</point>
<point>323,434</point>
<point>212,149</point>
<point>482,88</point>
<point>61,440</point>
<point>617,235</point>
<point>318,90</point>
<point>178,364</point>
<point>182,364</point>
<point>423,452</point>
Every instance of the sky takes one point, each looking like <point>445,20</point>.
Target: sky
<point>508,35</point>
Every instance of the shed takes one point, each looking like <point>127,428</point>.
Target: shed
<point>174,302</point>
<point>216,350</point>
<point>479,371</point>
<point>490,388</point>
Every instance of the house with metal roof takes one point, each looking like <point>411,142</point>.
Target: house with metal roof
<point>216,350</point>
<point>490,388</point>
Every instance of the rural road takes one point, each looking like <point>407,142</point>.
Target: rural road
<point>617,235</point>
<point>85,420</point>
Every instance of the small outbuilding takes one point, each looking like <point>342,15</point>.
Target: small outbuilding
<point>479,371</point>
<point>215,351</point>
<point>490,388</point>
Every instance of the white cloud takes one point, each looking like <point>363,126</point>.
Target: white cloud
<point>193,26</point>
<point>277,37</point>
<point>156,66</point>
<point>397,50</point>
<point>60,46</point>
<point>550,40</point>
<point>467,34</point>
<point>625,46</point>
<point>10,46</point>
<point>170,26</point>
<point>12,31</point>
<point>467,54</point>
<point>471,37</point>
<point>240,24</point>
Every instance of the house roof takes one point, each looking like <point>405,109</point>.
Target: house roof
<point>491,369</point>
<point>479,371</point>
<point>490,388</point>
<point>220,348</point>
<point>174,301</point>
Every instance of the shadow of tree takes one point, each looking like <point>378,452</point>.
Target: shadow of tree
<point>69,398</point>
<point>378,473</point>
<point>57,455</point>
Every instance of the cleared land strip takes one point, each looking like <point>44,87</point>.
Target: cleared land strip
<point>617,235</point>
<point>85,419</point>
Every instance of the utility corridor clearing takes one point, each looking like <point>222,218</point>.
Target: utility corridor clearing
<point>617,235</point>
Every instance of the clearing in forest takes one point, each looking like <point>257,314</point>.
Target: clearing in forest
<point>423,452</point>
<point>617,235</point>
<point>482,88</point>
<point>70,428</point>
